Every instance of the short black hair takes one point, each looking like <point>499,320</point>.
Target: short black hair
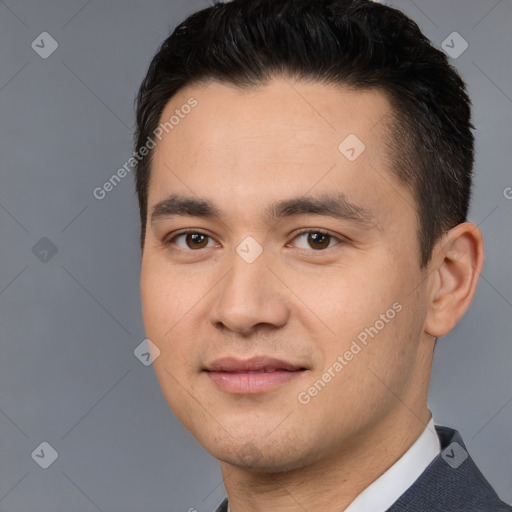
<point>358,44</point>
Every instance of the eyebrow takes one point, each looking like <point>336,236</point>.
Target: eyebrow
<point>329,205</point>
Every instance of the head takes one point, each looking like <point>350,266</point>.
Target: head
<point>267,117</point>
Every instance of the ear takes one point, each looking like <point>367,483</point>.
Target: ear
<point>454,269</point>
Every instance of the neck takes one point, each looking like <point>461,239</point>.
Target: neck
<point>337,480</point>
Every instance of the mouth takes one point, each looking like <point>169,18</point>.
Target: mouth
<point>252,376</point>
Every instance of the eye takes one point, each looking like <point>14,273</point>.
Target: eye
<point>190,239</point>
<point>317,239</point>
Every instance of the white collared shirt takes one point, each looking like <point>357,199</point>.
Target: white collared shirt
<point>384,491</point>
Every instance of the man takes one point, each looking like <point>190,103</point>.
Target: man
<point>304,180</point>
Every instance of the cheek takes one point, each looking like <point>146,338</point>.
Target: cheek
<point>354,299</point>
<point>164,297</point>
<point>170,306</point>
<point>162,309</point>
<point>373,306</point>
<point>155,305</point>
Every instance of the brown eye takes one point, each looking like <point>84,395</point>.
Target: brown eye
<point>316,240</point>
<point>196,240</point>
<point>190,240</point>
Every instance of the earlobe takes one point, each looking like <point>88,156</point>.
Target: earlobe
<point>457,262</point>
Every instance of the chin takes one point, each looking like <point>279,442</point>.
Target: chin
<point>261,455</point>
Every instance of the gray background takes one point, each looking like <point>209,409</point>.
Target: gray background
<point>70,324</point>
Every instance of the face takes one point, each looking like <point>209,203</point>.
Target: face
<point>280,273</point>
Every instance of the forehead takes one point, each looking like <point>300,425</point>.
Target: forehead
<point>285,138</point>
<point>280,116</point>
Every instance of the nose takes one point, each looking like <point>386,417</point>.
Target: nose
<point>249,297</point>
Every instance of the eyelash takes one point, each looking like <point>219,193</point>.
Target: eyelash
<point>167,242</point>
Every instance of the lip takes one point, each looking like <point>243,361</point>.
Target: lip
<point>252,376</point>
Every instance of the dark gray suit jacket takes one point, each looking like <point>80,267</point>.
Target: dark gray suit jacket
<point>451,483</point>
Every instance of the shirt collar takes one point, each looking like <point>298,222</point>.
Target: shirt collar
<point>384,491</point>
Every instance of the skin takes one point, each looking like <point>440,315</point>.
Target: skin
<point>242,150</point>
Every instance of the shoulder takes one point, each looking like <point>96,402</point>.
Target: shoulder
<point>451,483</point>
